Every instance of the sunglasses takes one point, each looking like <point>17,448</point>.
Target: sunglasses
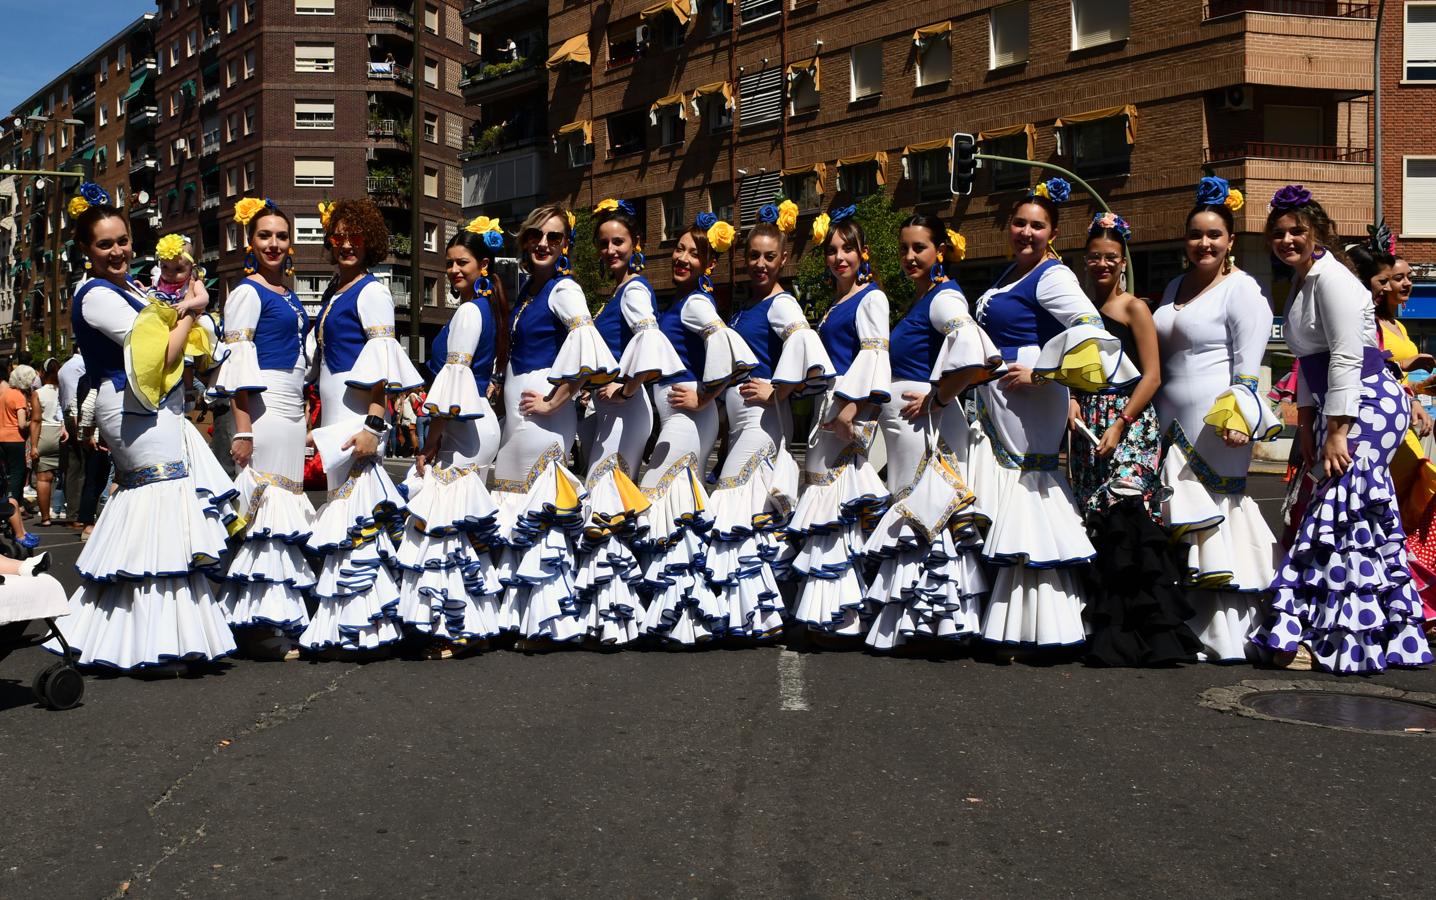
<point>354,240</point>
<point>556,238</point>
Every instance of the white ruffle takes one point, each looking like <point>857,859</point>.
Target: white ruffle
<point>372,504</point>
<point>211,481</point>
<point>1114,370</point>
<point>447,588</point>
<point>679,506</point>
<point>357,596</point>
<point>648,355</point>
<point>1035,606</point>
<point>383,361</point>
<point>828,525</point>
<point>239,372</point>
<point>157,530</point>
<point>922,589</point>
<point>607,587</point>
<point>439,507</point>
<point>263,603</point>
<point>727,359</point>
<point>537,563</point>
<point>455,394</point>
<point>964,348</point>
<point>684,608</point>
<point>1223,540</point>
<point>130,625</point>
<point>1262,423</point>
<point>1223,621</point>
<point>583,359</point>
<point>868,378</point>
<point>269,575</point>
<point>743,548</point>
<point>1035,522</point>
<point>804,361</point>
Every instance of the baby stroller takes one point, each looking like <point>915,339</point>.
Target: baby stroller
<point>22,598</point>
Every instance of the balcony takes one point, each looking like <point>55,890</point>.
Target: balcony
<point>210,42</point>
<point>84,102</point>
<point>388,134</point>
<point>208,203</point>
<point>1302,152</point>
<point>1341,176</point>
<point>388,190</point>
<point>494,12</point>
<point>209,147</point>
<point>389,15</point>
<point>145,65</point>
<point>395,74</point>
<point>144,117</point>
<point>1331,8</point>
<point>488,82</point>
<point>505,184</point>
<point>209,96</point>
<point>143,159</point>
<point>1273,42</point>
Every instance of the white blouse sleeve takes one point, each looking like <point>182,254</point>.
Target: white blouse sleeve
<point>106,311</point>
<point>1341,307</point>
<point>727,358</point>
<point>240,369</point>
<point>382,361</point>
<point>964,344</point>
<point>870,376</point>
<point>804,361</point>
<point>648,354</point>
<point>1084,357</point>
<point>455,393</point>
<point>584,358</point>
<point>1248,325</point>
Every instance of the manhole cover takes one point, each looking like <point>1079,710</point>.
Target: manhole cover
<point>1343,710</point>
<point>1346,706</point>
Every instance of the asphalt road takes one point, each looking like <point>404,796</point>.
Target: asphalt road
<point>720,773</point>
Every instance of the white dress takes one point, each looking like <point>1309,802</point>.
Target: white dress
<point>674,547</point>
<point>355,530</point>
<point>268,578</point>
<point>449,587</point>
<point>1229,554</point>
<point>144,599</point>
<point>758,485</point>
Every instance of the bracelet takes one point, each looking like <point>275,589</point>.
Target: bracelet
<point>372,431</point>
<point>1128,419</point>
<point>243,436</point>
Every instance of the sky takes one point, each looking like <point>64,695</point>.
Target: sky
<point>39,39</point>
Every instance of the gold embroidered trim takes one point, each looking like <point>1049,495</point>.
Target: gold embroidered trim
<point>955,323</point>
<point>767,454</point>
<point>451,474</point>
<point>359,470</point>
<point>510,486</point>
<point>713,328</point>
<point>144,475</point>
<point>462,359</point>
<point>242,334</point>
<point>645,325</point>
<point>873,344</point>
<point>577,322</point>
<point>793,328</point>
<point>263,481</point>
<point>688,462</point>
<point>595,475</point>
<point>379,331</point>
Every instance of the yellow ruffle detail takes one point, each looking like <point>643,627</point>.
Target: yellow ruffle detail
<point>633,498</point>
<point>1225,415</point>
<point>145,349</point>
<point>565,495</point>
<point>1081,368</point>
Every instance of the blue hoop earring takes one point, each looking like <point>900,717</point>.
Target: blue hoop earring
<point>562,265</point>
<point>865,272</point>
<point>251,262</point>
<point>286,268</point>
<point>938,274</point>
<point>636,262</point>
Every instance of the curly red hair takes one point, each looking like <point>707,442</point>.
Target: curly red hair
<point>361,217</point>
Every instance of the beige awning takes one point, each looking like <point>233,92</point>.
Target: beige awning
<point>584,125</point>
<point>664,102</point>
<point>807,65</point>
<point>705,90</point>
<point>921,36</point>
<point>997,133</point>
<point>1098,115</point>
<point>880,157</point>
<point>925,147</point>
<point>574,50</point>
<point>817,168</point>
<point>679,8</point>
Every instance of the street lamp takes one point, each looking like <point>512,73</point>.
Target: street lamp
<point>53,299</point>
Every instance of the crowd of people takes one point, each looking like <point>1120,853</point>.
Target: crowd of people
<point>564,488</point>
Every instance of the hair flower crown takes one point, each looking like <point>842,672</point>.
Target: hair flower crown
<point>611,205</point>
<point>489,229</point>
<point>1110,221</point>
<point>90,194</point>
<point>1055,189</point>
<point>1293,196</point>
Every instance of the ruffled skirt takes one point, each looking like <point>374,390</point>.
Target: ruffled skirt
<point>269,578</point>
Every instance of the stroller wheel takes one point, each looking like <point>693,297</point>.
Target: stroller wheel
<point>42,678</point>
<point>60,686</point>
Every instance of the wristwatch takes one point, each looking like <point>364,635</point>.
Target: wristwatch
<point>374,424</point>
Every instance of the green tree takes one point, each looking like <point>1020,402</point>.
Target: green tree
<point>584,259</point>
<point>38,346</point>
<point>879,220</point>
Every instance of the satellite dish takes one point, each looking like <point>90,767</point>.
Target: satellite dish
<point>142,197</point>
<point>18,123</point>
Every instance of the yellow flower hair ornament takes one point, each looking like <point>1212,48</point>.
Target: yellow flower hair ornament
<point>956,246</point>
<point>820,228</point>
<point>721,236</point>
<point>171,246</point>
<point>482,225</point>
<point>247,208</point>
<point>1235,201</point>
<point>787,216</point>
<point>77,206</point>
<point>326,209</point>
<point>606,205</point>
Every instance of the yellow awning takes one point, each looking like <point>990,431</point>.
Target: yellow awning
<point>931,31</point>
<point>574,50</point>
<point>817,168</point>
<point>880,157</point>
<point>679,8</point>
<point>1009,131</point>
<point>704,90</point>
<point>925,146</point>
<point>584,125</point>
<point>670,100</point>
<point>1109,112</point>
<point>807,65</point>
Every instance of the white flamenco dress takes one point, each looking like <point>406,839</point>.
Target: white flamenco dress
<point>758,485</point>
<point>540,502</point>
<point>268,578</point>
<point>1041,320</point>
<point>684,608</point>
<point>1211,353</point>
<point>610,575</point>
<point>449,588</point>
<point>144,599</point>
<point>842,496</point>
<point>930,578</point>
<point>355,530</point>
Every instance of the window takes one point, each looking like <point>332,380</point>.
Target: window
<point>1098,22</point>
<point>623,42</point>
<point>803,190</point>
<point>627,133</point>
<point>934,60</point>
<point>1006,176</point>
<point>1304,125</point>
<point>431,127</point>
<point>249,180</point>
<point>314,7</point>
<point>231,126</point>
<point>1007,35</point>
<point>803,89</point>
<point>931,175</point>
<point>716,112</point>
<point>431,72</point>
<point>191,42</point>
<point>1418,197</point>
<point>719,16</point>
<point>754,191</point>
<point>248,10</point>
<point>720,200</point>
<point>119,58</point>
<point>313,114</point>
<point>313,57</point>
<point>760,98</point>
<point>249,63</point>
<point>119,107</point>
<point>473,42</point>
<point>104,113</point>
<point>431,181</point>
<point>313,172</point>
<point>190,198</point>
<point>231,19</point>
<point>752,11</point>
<point>671,32</point>
<point>64,138</point>
<point>579,151</point>
<point>671,127</point>
<point>174,54</point>
<point>431,18</point>
<point>858,179</point>
<point>248,121</point>
<point>231,237</point>
<point>120,150</point>
<point>231,182</point>
<point>431,237</point>
<point>867,71</point>
<point>1420,42</point>
<point>310,286</point>
<point>231,72</point>
<point>673,221</point>
<point>1098,149</point>
<point>104,70</point>
<point>308,230</point>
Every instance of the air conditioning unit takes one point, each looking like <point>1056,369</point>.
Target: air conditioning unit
<point>641,35</point>
<point>370,154</point>
<point>181,144</point>
<point>1237,99</point>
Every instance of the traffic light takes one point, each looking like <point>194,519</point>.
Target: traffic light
<point>964,163</point>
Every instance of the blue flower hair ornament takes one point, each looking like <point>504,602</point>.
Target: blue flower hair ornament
<point>842,215</point>
<point>768,213</point>
<point>1213,191</point>
<point>706,220</point>
<point>494,240</point>
<point>1055,189</point>
<point>93,193</point>
<point>1110,221</point>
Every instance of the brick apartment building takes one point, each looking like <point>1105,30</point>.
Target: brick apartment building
<point>305,100</point>
<point>720,105</point>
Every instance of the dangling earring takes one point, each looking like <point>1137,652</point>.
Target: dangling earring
<point>88,266</point>
<point>1227,263</point>
<point>562,265</point>
<point>636,262</point>
<point>865,272</point>
<point>287,268</point>
<point>251,262</point>
<point>1186,263</point>
<point>937,275</point>
<point>705,281</point>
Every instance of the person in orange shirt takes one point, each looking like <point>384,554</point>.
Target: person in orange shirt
<point>14,454</point>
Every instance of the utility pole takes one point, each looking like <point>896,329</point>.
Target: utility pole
<point>56,205</point>
<point>416,192</point>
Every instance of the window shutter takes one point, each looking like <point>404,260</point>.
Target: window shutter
<point>760,97</point>
<point>755,191</point>
<point>1420,40</point>
<point>1008,35</point>
<point>1418,198</point>
<point>1097,22</point>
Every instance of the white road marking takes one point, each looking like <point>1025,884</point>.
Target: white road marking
<point>790,681</point>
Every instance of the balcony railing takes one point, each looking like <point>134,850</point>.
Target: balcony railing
<point>140,65</point>
<point>139,163</point>
<point>208,147</point>
<point>1296,152</point>
<point>209,203</point>
<point>210,42</point>
<point>144,115</point>
<point>482,71</point>
<point>209,96</point>
<point>483,8</point>
<point>386,185</point>
<point>390,15</point>
<point>386,71</point>
<point>1335,8</point>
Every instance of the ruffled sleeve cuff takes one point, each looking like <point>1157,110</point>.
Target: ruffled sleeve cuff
<point>870,376</point>
<point>584,358</point>
<point>648,355</point>
<point>804,362</point>
<point>1239,409</point>
<point>1085,358</point>
<point>966,348</point>
<point>1344,401</point>
<point>382,361</point>
<point>239,371</point>
<point>727,358</point>
<point>455,394</point>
